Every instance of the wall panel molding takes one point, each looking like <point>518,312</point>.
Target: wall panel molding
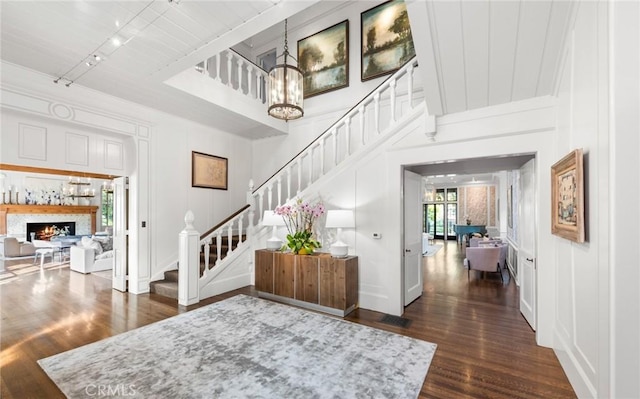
<point>32,142</point>
<point>20,100</point>
<point>113,155</point>
<point>77,149</point>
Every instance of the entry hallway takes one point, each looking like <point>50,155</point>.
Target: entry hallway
<point>485,348</point>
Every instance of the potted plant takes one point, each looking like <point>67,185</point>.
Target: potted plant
<point>299,219</point>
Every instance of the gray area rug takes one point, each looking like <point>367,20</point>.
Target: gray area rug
<point>245,347</point>
<point>432,249</point>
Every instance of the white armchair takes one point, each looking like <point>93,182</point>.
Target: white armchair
<point>89,256</point>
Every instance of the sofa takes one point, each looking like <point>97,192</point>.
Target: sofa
<point>92,254</point>
<point>10,247</point>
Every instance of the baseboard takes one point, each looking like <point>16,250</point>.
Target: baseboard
<point>579,381</point>
<point>220,286</point>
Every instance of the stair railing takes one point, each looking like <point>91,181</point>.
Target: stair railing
<point>375,117</point>
<point>234,228</point>
<point>367,122</point>
<point>231,69</point>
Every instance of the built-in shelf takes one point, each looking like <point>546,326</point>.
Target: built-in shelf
<point>46,209</point>
<point>79,183</point>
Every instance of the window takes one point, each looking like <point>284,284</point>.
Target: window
<point>107,207</point>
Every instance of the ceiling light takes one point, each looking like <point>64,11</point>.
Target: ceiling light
<point>285,88</point>
<point>89,63</point>
<point>116,41</point>
<point>97,57</point>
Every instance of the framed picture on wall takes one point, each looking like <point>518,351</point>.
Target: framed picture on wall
<point>567,197</point>
<point>386,42</point>
<point>208,171</point>
<point>323,59</point>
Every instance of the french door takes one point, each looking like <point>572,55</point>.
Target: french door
<point>439,220</point>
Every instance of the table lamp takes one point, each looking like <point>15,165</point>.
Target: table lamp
<point>269,218</point>
<point>340,219</point>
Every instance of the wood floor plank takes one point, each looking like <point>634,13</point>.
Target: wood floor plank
<point>485,347</point>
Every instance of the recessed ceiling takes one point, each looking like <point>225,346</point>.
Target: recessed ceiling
<point>467,171</point>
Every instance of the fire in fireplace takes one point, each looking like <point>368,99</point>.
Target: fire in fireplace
<point>44,231</point>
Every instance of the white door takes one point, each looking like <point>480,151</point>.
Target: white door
<point>412,261</point>
<point>120,234</point>
<point>527,249</point>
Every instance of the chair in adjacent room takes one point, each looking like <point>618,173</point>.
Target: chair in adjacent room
<point>485,259</point>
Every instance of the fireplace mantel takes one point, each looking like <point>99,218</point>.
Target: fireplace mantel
<point>46,209</point>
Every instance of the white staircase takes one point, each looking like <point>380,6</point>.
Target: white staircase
<point>381,115</point>
<point>231,81</point>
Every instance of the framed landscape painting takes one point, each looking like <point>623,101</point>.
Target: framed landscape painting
<point>567,197</point>
<point>386,41</point>
<point>323,59</point>
<point>208,171</point>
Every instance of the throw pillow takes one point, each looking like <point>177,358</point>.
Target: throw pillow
<point>88,242</point>
<point>106,242</point>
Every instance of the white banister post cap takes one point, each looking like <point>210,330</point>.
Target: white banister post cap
<point>188,219</point>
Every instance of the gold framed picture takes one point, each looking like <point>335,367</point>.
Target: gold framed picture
<point>323,59</point>
<point>567,197</point>
<point>386,43</point>
<point>208,171</point>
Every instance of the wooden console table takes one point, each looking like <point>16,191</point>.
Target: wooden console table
<point>318,282</point>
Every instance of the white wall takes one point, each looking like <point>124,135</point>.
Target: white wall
<point>321,110</point>
<point>624,103</point>
<point>156,154</point>
<point>582,270</point>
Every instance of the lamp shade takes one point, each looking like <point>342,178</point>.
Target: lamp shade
<point>270,218</point>
<point>340,218</point>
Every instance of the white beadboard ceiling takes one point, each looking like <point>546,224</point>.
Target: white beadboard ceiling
<point>471,53</point>
<point>162,39</point>
<point>474,54</point>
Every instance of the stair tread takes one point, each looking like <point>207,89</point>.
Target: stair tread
<point>165,288</point>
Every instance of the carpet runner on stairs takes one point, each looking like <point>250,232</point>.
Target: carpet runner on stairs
<point>168,287</point>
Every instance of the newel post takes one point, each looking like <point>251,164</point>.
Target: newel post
<point>188,264</point>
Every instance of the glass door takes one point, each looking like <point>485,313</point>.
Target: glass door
<point>441,213</point>
<point>434,220</point>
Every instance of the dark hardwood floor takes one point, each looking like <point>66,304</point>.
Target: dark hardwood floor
<point>485,348</point>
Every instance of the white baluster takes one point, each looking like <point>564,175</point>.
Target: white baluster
<point>240,63</point>
<point>361,114</point>
<point>288,184</point>
<point>259,96</point>
<point>299,175</point>
<point>229,66</point>
<point>321,156</point>
<point>392,86</point>
<point>252,215</point>
<point>218,246</point>
<point>376,109</point>
<point>279,183</point>
<point>347,133</point>
<point>218,77</point>
<point>207,252</point>
<point>410,79</point>
<point>240,225</point>
<point>269,198</point>
<point>261,201</point>
<point>249,80</point>
<point>334,134</point>
<point>310,166</point>
<point>230,239</point>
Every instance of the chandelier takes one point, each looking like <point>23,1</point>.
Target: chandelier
<point>285,88</point>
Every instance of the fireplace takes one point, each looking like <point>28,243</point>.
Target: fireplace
<point>44,231</point>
